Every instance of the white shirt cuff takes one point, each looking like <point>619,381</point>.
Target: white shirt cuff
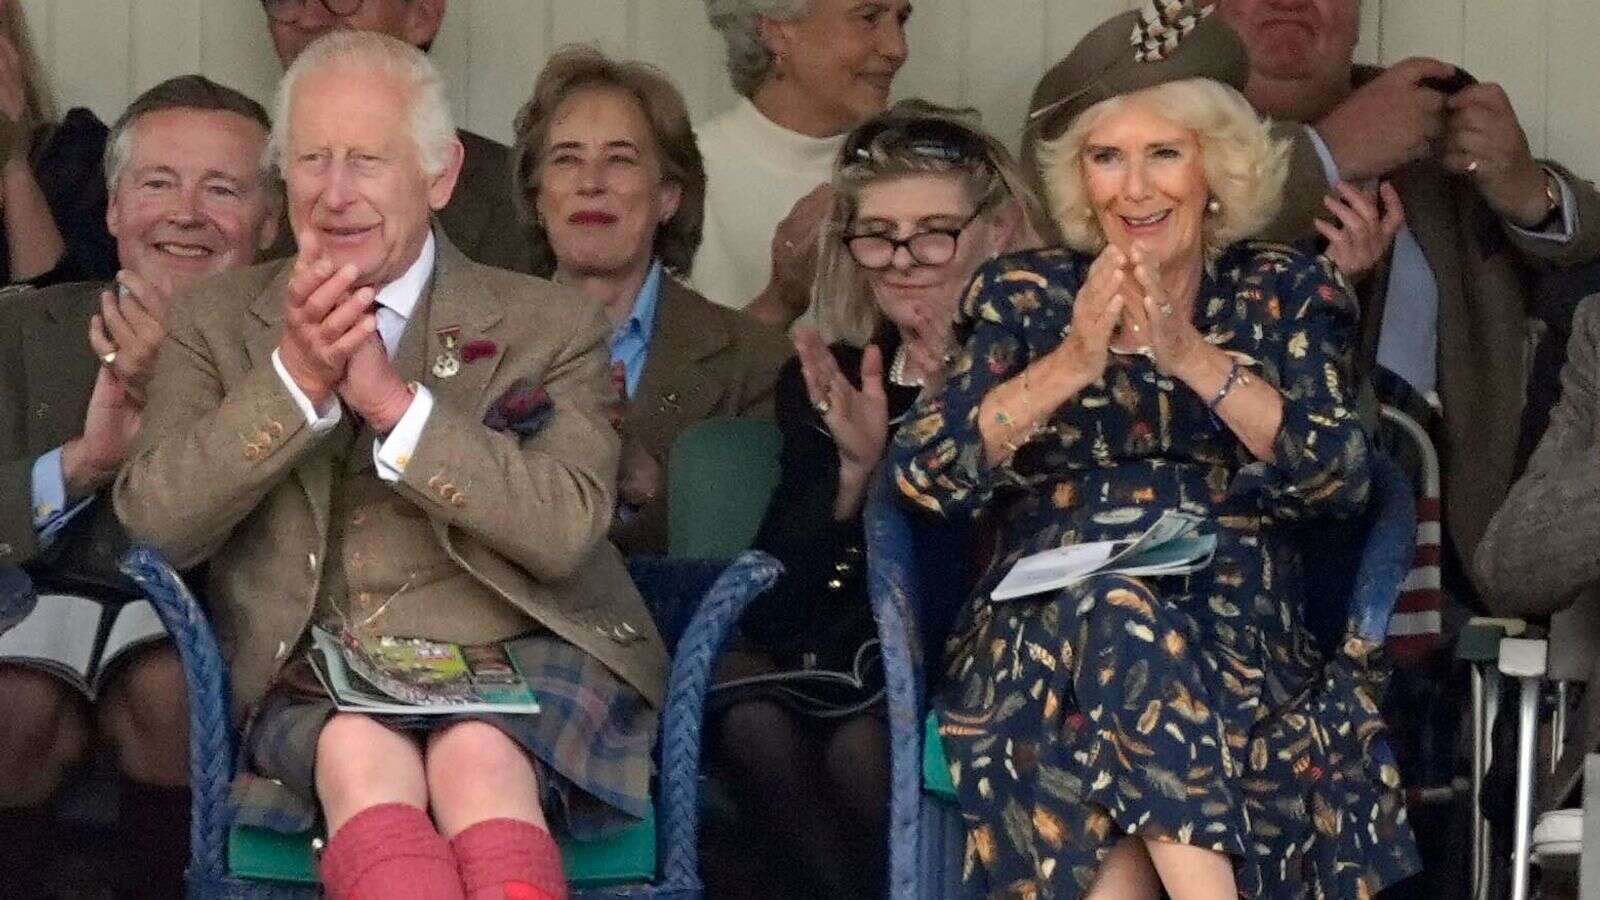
<point>1330,169</point>
<point>392,454</point>
<point>319,422</point>
<point>1563,231</point>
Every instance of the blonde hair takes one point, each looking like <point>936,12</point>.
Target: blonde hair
<point>1245,167</point>
<point>840,294</point>
<point>35,91</point>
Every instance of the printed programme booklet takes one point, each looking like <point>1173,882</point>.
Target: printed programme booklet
<point>80,639</point>
<point>414,676</point>
<point>1172,546</point>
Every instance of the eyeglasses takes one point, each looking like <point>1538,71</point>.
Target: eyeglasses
<point>287,11</point>
<point>928,137</point>
<point>930,247</point>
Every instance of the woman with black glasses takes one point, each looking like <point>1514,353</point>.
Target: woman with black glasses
<point>921,199</point>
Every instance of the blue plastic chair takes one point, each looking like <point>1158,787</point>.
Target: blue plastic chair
<point>721,594</point>
<point>1353,575</point>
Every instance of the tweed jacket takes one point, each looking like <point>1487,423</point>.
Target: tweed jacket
<point>47,372</point>
<point>481,218</point>
<point>705,360</point>
<point>1486,272</point>
<point>1543,546</point>
<point>228,469</point>
<point>1541,554</point>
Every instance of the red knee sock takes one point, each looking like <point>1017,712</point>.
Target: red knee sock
<point>390,852</point>
<point>509,859</point>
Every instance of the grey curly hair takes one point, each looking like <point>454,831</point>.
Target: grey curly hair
<point>739,22</point>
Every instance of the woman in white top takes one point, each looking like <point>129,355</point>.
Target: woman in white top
<point>807,71</point>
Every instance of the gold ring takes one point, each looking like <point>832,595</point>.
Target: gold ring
<point>1472,167</point>
<point>108,358</point>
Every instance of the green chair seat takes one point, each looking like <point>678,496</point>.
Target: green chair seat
<point>625,858</point>
<point>935,767</point>
<point>720,474</point>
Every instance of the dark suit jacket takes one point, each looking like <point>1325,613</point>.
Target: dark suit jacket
<point>481,218</point>
<point>47,372</point>
<point>1486,272</point>
<point>227,469</point>
<point>705,361</point>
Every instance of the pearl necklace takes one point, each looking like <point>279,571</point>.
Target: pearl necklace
<point>897,370</point>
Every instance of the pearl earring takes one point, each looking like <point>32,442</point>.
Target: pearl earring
<point>1214,206</point>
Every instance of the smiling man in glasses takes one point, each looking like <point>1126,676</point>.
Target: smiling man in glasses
<point>481,218</point>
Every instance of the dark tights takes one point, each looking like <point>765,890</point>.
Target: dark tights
<point>816,794</point>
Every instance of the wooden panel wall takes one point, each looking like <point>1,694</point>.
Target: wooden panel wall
<point>982,53</point>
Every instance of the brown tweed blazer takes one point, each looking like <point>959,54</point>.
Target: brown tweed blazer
<point>1486,272</point>
<point>1541,554</point>
<point>705,360</point>
<point>1543,546</point>
<point>47,372</point>
<point>228,470</point>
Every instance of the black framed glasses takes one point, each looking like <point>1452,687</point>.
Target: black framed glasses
<point>874,250</point>
<point>287,11</point>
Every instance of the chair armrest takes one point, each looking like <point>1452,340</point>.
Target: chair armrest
<point>895,587</point>
<point>1386,553</point>
<point>1523,657</point>
<point>750,574</point>
<point>211,732</point>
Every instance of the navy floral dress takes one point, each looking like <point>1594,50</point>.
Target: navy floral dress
<point>1195,709</point>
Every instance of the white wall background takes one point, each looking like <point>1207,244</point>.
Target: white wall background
<point>982,53</point>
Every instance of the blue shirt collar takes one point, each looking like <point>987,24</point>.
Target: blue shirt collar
<point>642,321</point>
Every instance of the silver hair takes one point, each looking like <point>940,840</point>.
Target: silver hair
<point>432,127</point>
<point>750,60</point>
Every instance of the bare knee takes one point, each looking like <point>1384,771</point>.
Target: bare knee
<point>145,713</point>
<point>45,732</point>
<point>476,772</point>
<point>361,763</point>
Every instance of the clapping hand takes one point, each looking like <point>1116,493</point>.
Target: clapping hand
<point>928,350</point>
<point>326,321</point>
<point>128,330</point>
<point>1096,311</point>
<point>1364,233</point>
<point>858,419</point>
<point>14,124</point>
<point>1171,337</point>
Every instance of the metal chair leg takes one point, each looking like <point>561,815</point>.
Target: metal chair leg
<point>1524,660</point>
<point>1527,727</point>
<point>1558,725</point>
<point>1485,707</point>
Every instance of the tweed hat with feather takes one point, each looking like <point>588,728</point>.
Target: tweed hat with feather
<point>1166,40</point>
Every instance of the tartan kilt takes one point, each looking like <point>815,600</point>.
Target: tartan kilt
<point>590,743</point>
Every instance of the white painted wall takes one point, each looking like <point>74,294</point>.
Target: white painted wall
<point>982,53</point>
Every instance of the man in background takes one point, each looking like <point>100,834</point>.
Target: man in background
<point>188,198</point>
